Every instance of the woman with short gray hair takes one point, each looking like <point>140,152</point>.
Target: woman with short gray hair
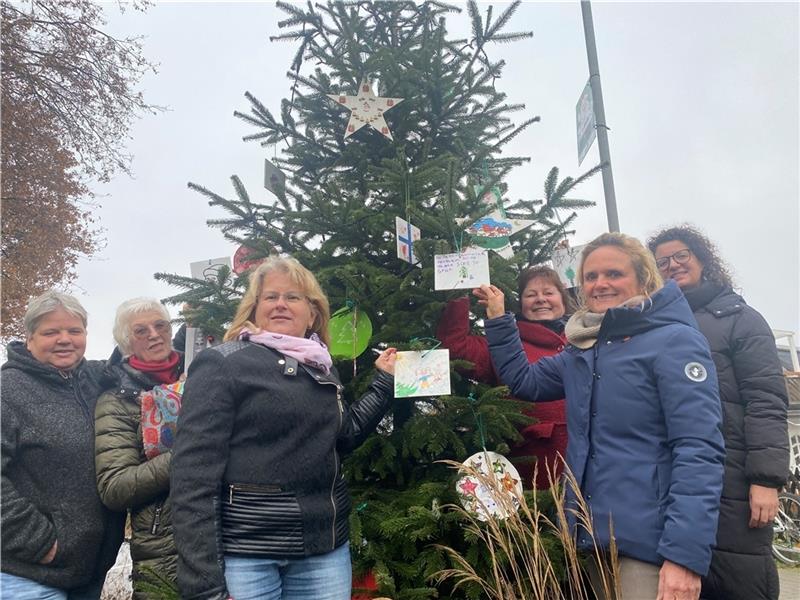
<point>135,424</point>
<point>58,538</point>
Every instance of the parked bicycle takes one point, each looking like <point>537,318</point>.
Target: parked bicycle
<point>786,537</point>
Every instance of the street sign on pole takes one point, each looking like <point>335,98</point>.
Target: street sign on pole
<point>584,122</point>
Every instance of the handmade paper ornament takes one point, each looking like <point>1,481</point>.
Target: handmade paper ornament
<point>461,270</point>
<point>407,234</point>
<point>493,230</point>
<point>274,179</point>
<point>494,500</point>
<point>422,373</point>
<point>350,330</point>
<point>490,196</point>
<point>565,262</point>
<point>366,109</point>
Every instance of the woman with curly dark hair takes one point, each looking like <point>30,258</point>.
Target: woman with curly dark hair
<point>754,405</point>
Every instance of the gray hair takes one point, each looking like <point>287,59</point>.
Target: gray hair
<point>48,302</point>
<point>126,312</point>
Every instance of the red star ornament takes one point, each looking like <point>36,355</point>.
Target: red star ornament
<point>366,109</point>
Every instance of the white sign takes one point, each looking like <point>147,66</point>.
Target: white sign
<point>566,262</point>
<point>584,121</point>
<point>407,234</point>
<point>209,269</point>
<point>422,373</point>
<point>464,270</point>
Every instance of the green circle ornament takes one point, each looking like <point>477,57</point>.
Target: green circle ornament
<point>350,330</point>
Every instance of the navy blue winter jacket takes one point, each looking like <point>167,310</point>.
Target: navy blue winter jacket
<point>644,426</point>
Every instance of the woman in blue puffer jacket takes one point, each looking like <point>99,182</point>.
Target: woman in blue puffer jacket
<point>643,415</point>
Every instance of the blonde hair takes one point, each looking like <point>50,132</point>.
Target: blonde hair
<point>299,275</point>
<point>644,265</point>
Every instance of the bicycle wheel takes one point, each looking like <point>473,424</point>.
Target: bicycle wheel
<point>786,538</point>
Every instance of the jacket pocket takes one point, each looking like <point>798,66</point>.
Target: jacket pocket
<point>261,519</point>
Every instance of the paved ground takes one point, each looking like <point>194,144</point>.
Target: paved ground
<point>790,583</point>
<point>118,586</point>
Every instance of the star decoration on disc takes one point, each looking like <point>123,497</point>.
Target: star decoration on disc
<point>366,109</point>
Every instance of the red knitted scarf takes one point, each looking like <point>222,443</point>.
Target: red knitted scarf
<point>163,371</point>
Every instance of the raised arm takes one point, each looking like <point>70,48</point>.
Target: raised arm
<point>453,331</point>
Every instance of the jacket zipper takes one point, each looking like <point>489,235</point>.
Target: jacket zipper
<point>248,487</point>
<point>156,518</point>
<point>73,382</point>
<point>335,459</point>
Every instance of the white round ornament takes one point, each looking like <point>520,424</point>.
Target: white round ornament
<point>482,499</point>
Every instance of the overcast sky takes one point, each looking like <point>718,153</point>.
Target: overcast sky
<point>701,99</point>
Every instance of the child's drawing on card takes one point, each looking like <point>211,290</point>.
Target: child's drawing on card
<point>461,270</point>
<point>425,373</point>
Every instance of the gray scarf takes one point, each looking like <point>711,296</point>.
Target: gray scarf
<point>583,327</point>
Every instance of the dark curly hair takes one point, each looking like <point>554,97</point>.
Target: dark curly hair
<point>714,268</point>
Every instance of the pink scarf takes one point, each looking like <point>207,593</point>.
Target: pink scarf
<point>310,351</point>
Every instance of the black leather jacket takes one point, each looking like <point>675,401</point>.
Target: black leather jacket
<point>259,443</point>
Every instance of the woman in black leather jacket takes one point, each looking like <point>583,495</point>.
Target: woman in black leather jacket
<point>260,506</point>
<point>754,404</point>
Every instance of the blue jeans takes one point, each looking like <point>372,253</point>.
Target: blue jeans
<point>324,577</point>
<point>20,588</point>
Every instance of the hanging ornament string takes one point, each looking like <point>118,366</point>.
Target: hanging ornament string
<point>296,77</point>
<point>478,419</point>
<point>355,322</point>
<point>423,339</point>
<point>458,242</point>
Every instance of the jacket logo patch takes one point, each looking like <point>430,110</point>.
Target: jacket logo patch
<point>696,372</point>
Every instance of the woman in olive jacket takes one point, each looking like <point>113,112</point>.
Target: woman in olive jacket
<point>133,434</point>
<point>754,404</point>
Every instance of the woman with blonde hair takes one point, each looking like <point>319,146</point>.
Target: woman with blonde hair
<point>643,416</point>
<point>260,505</point>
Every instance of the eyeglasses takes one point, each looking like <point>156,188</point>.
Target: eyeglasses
<point>680,257</point>
<point>289,297</point>
<point>142,332</point>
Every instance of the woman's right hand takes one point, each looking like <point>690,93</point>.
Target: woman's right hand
<point>386,361</point>
<point>51,554</point>
<point>492,298</point>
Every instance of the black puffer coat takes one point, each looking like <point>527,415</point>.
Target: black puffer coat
<point>48,490</point>
<point>256,466</point>
<point>126,480</point>
<point>754,403</point>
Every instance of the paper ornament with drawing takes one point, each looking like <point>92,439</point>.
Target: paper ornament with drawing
<point>366,109</point>
<point>493,230</point>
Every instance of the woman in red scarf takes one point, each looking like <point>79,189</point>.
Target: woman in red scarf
<point>543,304</point>
<point>134,428</point>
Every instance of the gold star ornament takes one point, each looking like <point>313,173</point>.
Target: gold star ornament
<point>366,109</point>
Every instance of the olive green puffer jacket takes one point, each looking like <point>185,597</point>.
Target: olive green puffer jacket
<point>127,480</point>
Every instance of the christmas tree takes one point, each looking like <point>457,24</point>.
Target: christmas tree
<point>431,157</point>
